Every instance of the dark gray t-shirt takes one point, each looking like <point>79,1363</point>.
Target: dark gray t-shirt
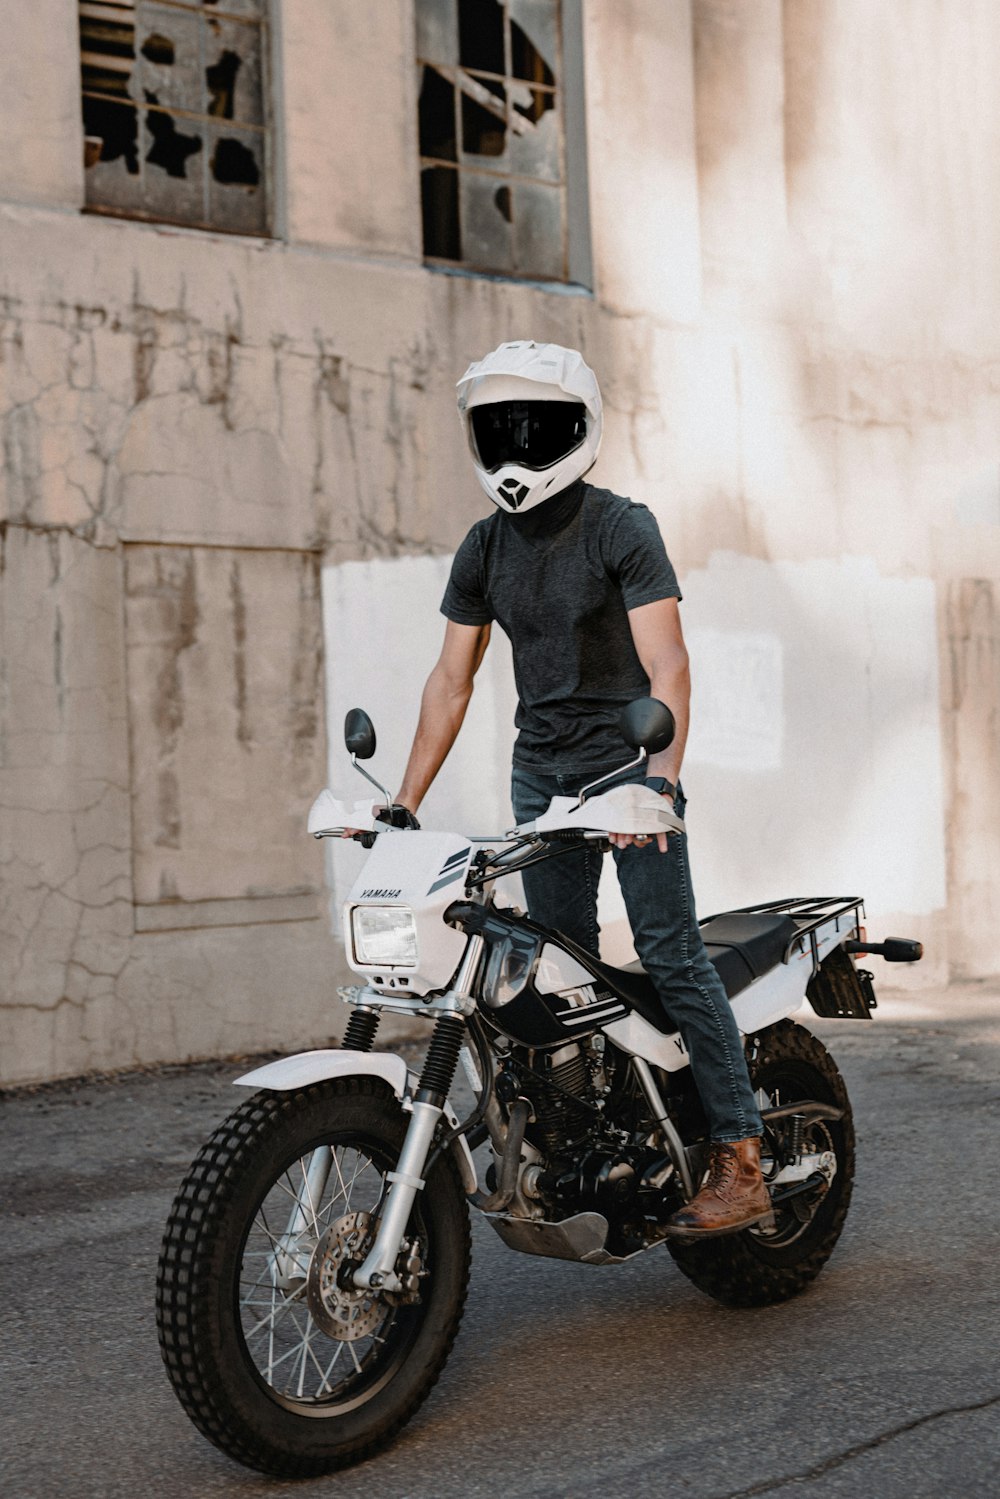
<point>563,599</point>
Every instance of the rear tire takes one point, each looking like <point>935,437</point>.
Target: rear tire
<point>249,1313</point>
<point>759,1267</point>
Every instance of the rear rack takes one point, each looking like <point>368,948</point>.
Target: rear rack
<point>809,913</point>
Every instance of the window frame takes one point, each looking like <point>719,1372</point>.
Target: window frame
<point>267,29</point>
<point>573,183</point>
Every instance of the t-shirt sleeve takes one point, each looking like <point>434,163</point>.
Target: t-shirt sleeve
<point>638,559</point>
<point>465,596</point>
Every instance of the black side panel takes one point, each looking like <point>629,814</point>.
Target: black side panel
<point>634,986</point>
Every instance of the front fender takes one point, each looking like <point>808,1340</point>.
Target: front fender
<point>307,1067</point>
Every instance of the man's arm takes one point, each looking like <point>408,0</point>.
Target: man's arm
<point>442,708</point>
<point>659,643</point>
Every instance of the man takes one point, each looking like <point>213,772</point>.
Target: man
<point>579,580</point>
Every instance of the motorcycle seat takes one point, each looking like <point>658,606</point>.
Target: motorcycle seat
<point>741,945</point>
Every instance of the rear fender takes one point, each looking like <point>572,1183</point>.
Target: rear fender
<point>307,1067</point>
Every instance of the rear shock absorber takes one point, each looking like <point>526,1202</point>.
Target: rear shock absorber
<point>360,1032</point>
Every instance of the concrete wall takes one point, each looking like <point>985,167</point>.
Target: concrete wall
<point>233,478</point>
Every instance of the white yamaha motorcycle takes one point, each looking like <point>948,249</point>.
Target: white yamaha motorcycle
<point>316,1259</point>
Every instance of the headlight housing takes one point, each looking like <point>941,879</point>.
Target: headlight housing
<point>384,936</point>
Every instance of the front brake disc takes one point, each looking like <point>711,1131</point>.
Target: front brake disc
<point>343,1312</point>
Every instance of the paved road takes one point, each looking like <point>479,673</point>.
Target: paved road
<point>883,1381</point>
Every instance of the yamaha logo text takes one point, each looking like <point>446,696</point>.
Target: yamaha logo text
<point>381,894</point>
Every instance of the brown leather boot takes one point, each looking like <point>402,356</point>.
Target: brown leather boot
<point>732,1196</point>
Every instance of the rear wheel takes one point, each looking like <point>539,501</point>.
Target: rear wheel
<point>275,1355</point>
<point>761,1266</point>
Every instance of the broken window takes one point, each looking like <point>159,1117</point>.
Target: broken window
<point>174,111</point>
<point>496,158</point>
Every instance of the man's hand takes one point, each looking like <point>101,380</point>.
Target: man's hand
<point>622,840</point>
<point>396,816</point>
<point>352,832</point>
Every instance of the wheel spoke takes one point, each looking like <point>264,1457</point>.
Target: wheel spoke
<point>329,1369</point>
<point>276,1314</point>
<point>340,1178</point>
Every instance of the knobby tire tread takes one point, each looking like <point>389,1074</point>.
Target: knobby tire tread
<point>735,1269</point>
<point>184,1287</point>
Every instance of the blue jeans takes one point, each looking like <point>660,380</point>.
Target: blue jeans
<point>562,894</point>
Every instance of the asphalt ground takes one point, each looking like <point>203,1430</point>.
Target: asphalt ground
<point>882,1381</point>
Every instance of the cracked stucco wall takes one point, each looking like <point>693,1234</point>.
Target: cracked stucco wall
<point>795,231</point>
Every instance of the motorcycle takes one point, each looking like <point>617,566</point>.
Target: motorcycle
<point>316,1259</point>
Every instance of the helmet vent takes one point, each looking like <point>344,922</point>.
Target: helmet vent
<point>514,492</point>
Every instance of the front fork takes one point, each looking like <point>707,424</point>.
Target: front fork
<point>293,1251</point>
<point>378,1270</point>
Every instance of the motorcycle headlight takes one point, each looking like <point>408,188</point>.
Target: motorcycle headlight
<point>384,936</point>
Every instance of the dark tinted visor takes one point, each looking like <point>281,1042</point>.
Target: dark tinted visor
<point>535,434</point>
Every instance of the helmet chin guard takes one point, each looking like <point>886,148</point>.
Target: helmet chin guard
<point>528,372</point>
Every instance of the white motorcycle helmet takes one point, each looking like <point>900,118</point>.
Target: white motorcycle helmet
<point>533,418</point>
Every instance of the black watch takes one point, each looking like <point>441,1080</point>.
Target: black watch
<point>661,785</point>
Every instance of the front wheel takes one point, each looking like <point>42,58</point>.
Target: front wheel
<point>275,1355</point>
<point>761,1266</point>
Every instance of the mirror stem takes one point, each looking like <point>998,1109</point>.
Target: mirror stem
<point>640,759</point>
<point>361,769</point>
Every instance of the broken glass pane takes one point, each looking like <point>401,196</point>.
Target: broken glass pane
<point>537,151</point>
<point>485,215</point>
<point>437,116</point>
<point>164,31</point>
<point>480,35</point>
<point>484,130</point>
<point>538,230</point>
<point>112,176</point>
<point>439,196</point>
<point>237,200</point>
<point>531,103</point>
<point>232,87</point>
<point>173,167</point>
<point>534,40</point>
<point>437,31</point>
<point>115,126</point>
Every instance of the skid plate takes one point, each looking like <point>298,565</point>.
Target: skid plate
<point>581,1238</point>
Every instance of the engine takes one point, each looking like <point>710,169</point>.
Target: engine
<point>561,1089</point>
<point>590,1162</point>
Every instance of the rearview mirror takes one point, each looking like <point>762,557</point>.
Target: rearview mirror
<point>359,734</point>
<point>647,724</point>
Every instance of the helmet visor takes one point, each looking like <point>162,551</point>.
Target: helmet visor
<point>534,434</point>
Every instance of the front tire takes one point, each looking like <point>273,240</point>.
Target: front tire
<point>274,1356</point>
<point>759,1267</point>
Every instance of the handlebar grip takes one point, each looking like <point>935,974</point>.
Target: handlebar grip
<point>570,835</point>
<point>367,840</point>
